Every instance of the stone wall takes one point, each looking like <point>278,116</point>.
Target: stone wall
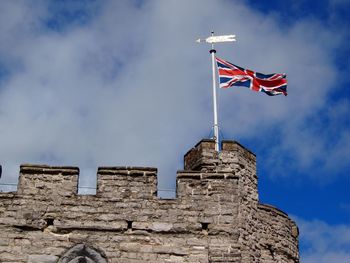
<point>216,216</point>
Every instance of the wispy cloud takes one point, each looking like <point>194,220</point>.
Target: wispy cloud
<point>324,243</point>
<point>127,84</point>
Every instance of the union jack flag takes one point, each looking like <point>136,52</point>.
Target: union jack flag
<point>232,75</point>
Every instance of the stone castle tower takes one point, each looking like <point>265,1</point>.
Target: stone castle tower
<point>216,216</point>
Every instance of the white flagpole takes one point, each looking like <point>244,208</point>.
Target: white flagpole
<point>215,106</point>
<point>216,39</point>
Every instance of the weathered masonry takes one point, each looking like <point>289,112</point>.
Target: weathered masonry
<point>216,216</point>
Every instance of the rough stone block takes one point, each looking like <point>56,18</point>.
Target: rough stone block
<point>42,259</point>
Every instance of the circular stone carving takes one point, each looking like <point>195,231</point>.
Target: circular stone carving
<point>82,254</point>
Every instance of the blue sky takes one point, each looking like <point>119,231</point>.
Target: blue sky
<point>93,83</point>
<point>332,15</point>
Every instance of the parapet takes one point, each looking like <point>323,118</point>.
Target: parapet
<point>127,182</point>
<point>203,157</point>
<point>232,170</point>
<point>48,180</point>
<point>112,182</point>
<point>206,173</point>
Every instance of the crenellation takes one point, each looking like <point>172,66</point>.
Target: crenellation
<point>216,216</point>
<point>49,181</point>
<point>127,182</point>
<point>201,157</point>
<point>234,146</point>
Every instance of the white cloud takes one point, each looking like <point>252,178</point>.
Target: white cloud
<point>324,243</point>
<point>131,87</point>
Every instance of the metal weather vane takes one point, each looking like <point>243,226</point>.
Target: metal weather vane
<point>213,40</point>
<point>217,39</point>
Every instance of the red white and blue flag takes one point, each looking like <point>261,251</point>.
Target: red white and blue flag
<point>232,75</point>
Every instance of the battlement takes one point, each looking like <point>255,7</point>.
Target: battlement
<point>203,157</point>
<point>232,170</point>
<point>126,182</point>
<point>48,180</point>
<point>216,216</point>
<point>112,182</point>
<point>206,171</point>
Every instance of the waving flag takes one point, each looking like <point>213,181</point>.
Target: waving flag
<point>232,75</point>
